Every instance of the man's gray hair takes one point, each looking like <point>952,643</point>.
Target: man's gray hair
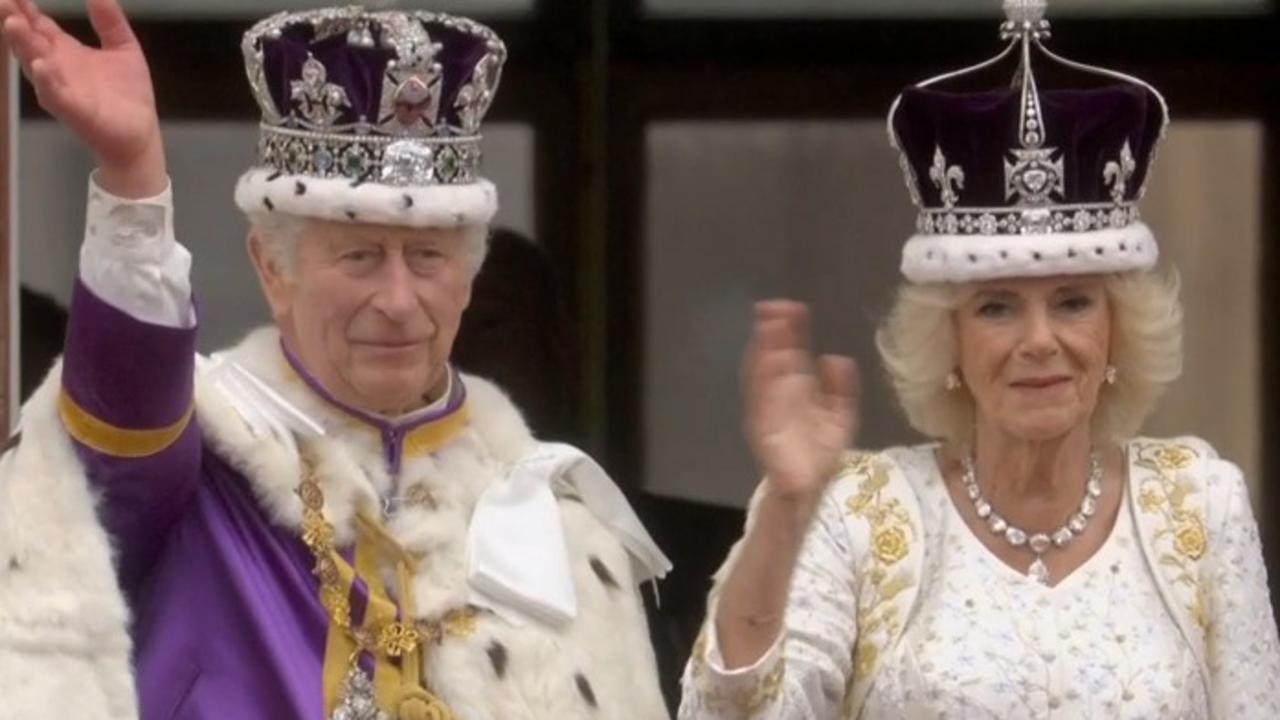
<point>279,234</point>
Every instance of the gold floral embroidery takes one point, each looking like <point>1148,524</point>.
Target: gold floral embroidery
<point>1173,457</point>
<point>864,659</point>
<point>1190,541</point>
<point>744,701</point>
<point>1166,491</point>
<point>769,688</point>
<point>891,538</point>
<point>1149,500</point>
<point>1180,539</point>
<point>890,544</point>
<point>1200,609</point>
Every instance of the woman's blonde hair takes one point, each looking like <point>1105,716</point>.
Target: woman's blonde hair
<point>918,345</point>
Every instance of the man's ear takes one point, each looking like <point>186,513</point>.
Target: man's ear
<point>277,286</point>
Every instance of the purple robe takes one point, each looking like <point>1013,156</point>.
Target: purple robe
<point>227,620</point>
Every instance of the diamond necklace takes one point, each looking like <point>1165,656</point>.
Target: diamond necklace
<point>1038,542</point>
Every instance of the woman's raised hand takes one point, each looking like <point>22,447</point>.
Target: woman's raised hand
<point>800,415</point>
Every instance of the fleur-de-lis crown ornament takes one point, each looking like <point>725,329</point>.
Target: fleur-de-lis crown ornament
<point>1026,178</point>
<point>371,114</point>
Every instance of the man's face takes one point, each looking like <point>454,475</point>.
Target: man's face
<point>372,311</point>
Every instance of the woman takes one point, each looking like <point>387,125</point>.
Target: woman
<point>1039,560</point>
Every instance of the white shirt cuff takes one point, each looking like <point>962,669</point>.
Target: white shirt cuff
<point>131,260</point>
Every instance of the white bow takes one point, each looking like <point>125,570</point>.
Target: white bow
<point>518,562</point>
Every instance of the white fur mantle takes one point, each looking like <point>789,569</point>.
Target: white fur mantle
<point>62,639</point>
<point>64,644</point>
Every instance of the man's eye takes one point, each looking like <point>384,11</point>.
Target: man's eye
<point>993,308</point>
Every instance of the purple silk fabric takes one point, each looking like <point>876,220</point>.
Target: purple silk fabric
<point>108,365</point>
<point>976,131</point>
<point>109,369</point>
<point>227,620</point>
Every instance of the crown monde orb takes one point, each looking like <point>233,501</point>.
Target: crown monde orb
<point>1024,13</point>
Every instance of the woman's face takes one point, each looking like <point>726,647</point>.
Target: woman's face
<point>1033,352</point>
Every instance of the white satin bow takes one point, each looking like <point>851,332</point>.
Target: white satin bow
<point>517,559</point>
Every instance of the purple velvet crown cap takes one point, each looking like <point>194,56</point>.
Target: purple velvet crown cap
<point>371,116</point>
<point>1030,179</point>
<point>975,131</point>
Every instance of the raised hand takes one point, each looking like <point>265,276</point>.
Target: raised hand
<point>799,418</point>
<point>104,94</point>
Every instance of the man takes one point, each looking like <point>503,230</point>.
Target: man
<point>326,520</point>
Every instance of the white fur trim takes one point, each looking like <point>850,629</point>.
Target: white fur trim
<point>607,643</point>
<point>263,189</point>
<point>64,648</point>
<point>967,258</point>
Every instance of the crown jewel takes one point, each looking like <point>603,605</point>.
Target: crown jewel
<point>1021,159</point>
<point>395,97</point>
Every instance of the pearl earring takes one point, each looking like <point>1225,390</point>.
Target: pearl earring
<point>1109,375</point>
<point>953,382</point>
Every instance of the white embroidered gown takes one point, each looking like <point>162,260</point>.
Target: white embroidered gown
<point>984,641</point>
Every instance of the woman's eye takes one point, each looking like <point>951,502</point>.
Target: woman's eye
<point>1076,303</point>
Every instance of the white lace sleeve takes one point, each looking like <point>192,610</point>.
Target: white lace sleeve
<point>1243,650</point>
<point>130,259</point>
<point>804,674</point>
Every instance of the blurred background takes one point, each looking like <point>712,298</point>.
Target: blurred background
<point>664,163</point>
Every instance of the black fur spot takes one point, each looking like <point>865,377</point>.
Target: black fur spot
<point>1036,255</point>
<point>351,214</point>
<point>1098,251</point>
<point>584,687</point>
<point>299,188</point>
<point>14,564</point>
<point>498,656</point>
<point>1071,252</point>
<point>973,258</point>
<point>270,205</point>
<point>275,176</point>
<point>603,573</point>
<point>408,201</point>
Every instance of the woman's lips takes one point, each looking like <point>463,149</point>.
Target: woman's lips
<point>1040,383</point>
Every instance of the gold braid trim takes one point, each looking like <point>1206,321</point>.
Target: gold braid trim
<point>404,641</point>
<point>108,439</point>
